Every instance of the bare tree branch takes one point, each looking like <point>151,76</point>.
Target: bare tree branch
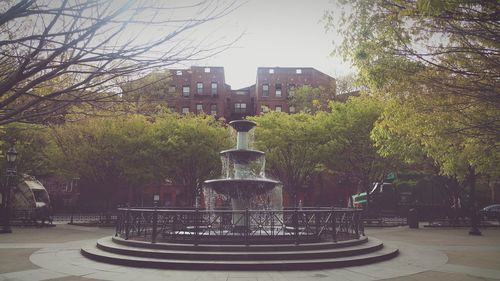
<point>80,51</point>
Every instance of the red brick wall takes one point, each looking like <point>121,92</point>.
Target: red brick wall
<point>253,98</point>
<point>286,77</point>
<point>191,77</point>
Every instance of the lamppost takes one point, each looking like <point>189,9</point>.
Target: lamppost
<point>9,180</point>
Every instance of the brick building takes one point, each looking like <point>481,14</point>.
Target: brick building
<point>275,85</point>
<point>204,89</point>
<point>198,89</point>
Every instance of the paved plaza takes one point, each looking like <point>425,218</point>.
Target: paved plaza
<point>425,254</point>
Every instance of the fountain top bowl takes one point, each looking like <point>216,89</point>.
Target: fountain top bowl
<point>242,125</point>
<point>243,152</point>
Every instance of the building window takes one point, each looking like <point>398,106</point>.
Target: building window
<point>298,71</point>
<point>241,93</point>
<point>185,110</point>
<point>199,108</point>
<point>213,109</point>
<point>271,71</point>
<point>171,89</point>
<point>278,108</point>
<point>185,91</point>
<point>207,69</point>
<point>265,90</point>
<point>172,108</point>
<point>292,109</point>
<point>214,88</point>
<point>199,88</point>
<point>240,108</point>
<point>264,108</point>
<point>291,89</point>
<point>178,72</point>
<point>278,90</point>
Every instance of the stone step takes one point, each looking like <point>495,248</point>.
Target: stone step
<point>241,247</point>
<point>278,253</point>
<point>94,253</point>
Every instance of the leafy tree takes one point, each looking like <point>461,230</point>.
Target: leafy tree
<point>33,145</point>
<point>122,154</point>
<point>107,154</point>
<point>310,100</point>
<point>405,131</point>
<point>437,65</point>
<point>187,149</point>
<point>346,84</point>
<point>349,151</point>
<point>56,53</point>
<point>444,51</point>
<point>291,143</point>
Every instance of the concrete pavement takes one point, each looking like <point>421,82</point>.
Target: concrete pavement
<point>425,254</point>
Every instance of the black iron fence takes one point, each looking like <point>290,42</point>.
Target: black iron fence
<point>243,226</point>
<point>34,217</point>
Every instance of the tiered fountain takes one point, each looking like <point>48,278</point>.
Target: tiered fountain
<point>255,232</point>
<point>244,183</point>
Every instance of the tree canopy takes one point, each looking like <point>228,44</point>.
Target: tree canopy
<point>186,148</point>
<point>33,145</point>
<point>310,100</point>
<point>290,142</point>
<point>349,150</point>
<point>436,64</point>
<point>126,153</point>
<point>106,154</point>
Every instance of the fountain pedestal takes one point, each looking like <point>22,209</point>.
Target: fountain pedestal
<point>239,219</point>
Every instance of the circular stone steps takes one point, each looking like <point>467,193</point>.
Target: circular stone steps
<point>239,257</point>
<point>255,246</point>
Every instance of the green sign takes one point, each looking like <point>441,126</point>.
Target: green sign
<point>359,198</point>
<point>390,177</point>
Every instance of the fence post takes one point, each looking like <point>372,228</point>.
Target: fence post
<point>272,222</point>
<point>155,224</point>
<point>127,223</point>
<point>296,224</point>
<point>356,223</point>
<point>247,226</point>
<point>361,223</point>
<point>174,224</point>
<point>317,222</point>
<point>118,223</point>
<point>196,226</point>
<point>334,226</point>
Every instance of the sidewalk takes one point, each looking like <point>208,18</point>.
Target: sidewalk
<point>425,254</point>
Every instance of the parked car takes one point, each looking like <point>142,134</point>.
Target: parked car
<point>491,212</point>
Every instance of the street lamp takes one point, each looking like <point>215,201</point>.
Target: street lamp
<point>9,179</point>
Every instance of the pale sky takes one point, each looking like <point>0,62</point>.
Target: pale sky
<point>286,33</point>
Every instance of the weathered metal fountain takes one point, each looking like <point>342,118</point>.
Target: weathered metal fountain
<point>244,183</point>
<point>243,226</point>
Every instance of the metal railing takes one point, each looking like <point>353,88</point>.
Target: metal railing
<point>242,226</point>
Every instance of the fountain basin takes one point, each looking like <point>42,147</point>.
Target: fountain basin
<point>242,125</point>
<point>241,188</point>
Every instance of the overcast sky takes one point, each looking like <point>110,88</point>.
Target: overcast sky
<point>287,33</point>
